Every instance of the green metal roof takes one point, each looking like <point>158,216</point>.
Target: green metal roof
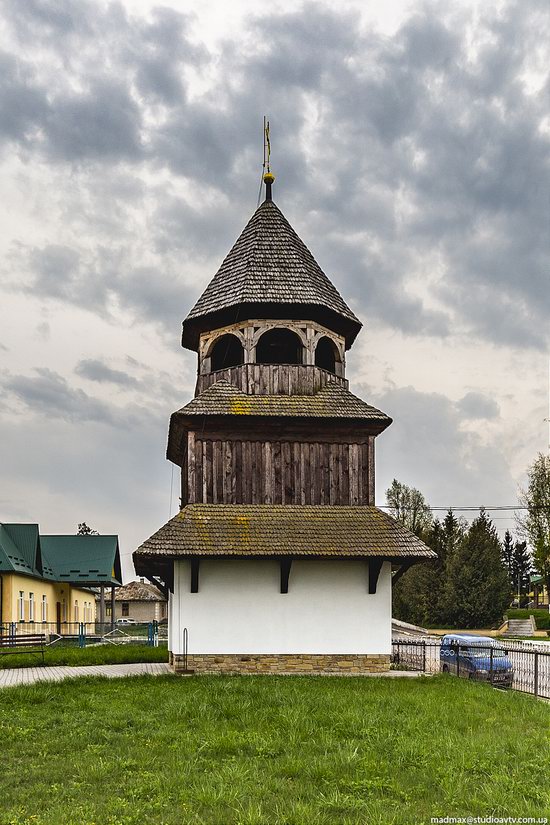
<point>86,560</point>
<point>19,549</point>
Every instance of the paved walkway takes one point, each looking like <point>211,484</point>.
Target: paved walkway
<point>10,677</point>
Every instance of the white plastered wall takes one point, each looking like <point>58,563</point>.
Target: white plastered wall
<point>239,608</point>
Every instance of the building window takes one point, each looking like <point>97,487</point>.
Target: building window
<point>125,608</point>
<point>108,608</point>
<point>76,610</point>
<point>44,609</point>
<point>279,346</point>
<point>226,352</point>
<point>21,606</point>
<point>64,610</point>
<point>326,354</point>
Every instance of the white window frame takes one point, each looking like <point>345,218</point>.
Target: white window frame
<point>76,610</point>
<point>21,605</point>
<point>44,608</point>
<point>31,607</point>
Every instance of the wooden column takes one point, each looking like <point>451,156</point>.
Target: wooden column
<point>101,605</point>
<point>112,607</point>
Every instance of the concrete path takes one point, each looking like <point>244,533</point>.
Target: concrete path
<point>10,677</point>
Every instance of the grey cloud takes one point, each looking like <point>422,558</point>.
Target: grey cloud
<point>57,473</point>
<point>23,101</point>
<point>46,17</point>
<point>55,269</point>
<point>48,394</point>
<point>477,405</point>
<point>96,370</point>
<point>424,146</point>
<point>103,122</point>
<point>435,455</point>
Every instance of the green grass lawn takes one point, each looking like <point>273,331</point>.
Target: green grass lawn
<point>270,750</point>
<point>97,655</point>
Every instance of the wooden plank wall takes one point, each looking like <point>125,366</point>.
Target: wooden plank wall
<point>219,471</point>
<point>272,379</point>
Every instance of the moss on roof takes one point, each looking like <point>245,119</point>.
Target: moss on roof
<point>332,401</point>
<point>281,530</point>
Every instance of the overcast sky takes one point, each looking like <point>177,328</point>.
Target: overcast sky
<point>411,145</point>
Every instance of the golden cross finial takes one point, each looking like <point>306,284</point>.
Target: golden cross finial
<point>268,176</point>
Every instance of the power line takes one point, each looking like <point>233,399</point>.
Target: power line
<point>509,507</point>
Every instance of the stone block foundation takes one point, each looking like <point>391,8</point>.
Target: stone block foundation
<point>340,664</point>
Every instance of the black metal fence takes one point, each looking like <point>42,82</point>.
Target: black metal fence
<point>83,634</point>
<point>510,664</point>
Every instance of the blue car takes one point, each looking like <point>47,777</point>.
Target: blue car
<point>476,657</point>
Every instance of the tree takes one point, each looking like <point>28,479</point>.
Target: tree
<point>477,589</point>
<point>419,596</point>
<point>521,570</point>
<point>84,530</point>
<point>535,524</point>
<point>508,557</point>
<point>409,506</point>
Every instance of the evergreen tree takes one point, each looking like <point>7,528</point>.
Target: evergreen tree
<point>419,596</point>
<point>508,557</point>
<point>521,571</point>
<point>477,588</point>
<point>535,525</point>
<point>454,530</point>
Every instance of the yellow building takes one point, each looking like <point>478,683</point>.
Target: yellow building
<point>45,581</point>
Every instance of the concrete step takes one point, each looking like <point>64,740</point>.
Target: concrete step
<point>519,627</point>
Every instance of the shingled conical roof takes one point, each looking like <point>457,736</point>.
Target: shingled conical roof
<point>270,273</point>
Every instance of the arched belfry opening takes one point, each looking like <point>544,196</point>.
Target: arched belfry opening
<point>226,352</point>
<point>326,354</point>
<point>279,346</point>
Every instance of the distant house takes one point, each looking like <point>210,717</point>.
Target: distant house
<point>47,580</point>
<point>540,593</point>
<point>140,601</point>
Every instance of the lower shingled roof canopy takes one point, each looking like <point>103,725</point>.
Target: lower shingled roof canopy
<point>250,530</point>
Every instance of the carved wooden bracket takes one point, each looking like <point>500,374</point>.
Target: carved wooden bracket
<point>194,575</point>
<point>399,572</point>
<point>285,573</point>
<point>375,566</point>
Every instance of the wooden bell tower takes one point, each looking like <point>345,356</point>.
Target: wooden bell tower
<point>278,560</point>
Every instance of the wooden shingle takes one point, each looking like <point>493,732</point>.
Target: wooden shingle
<point>270,265</point>
<point>282,530</point>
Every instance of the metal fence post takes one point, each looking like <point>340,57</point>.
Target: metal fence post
<point>185,645</point>
<point>150,634</point>
<point>424,657</point>
<point>536,674</point>
<point>491,664</point>
<point>458,658</point>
